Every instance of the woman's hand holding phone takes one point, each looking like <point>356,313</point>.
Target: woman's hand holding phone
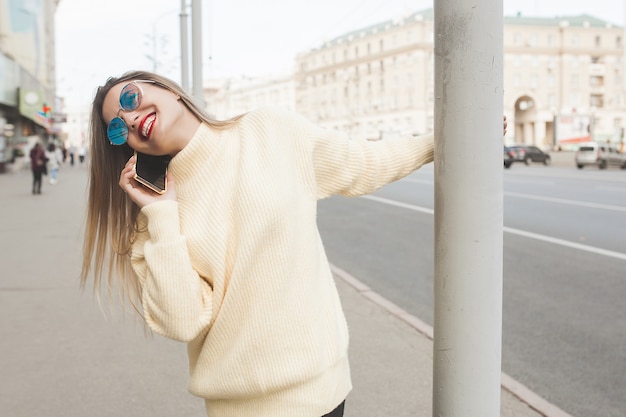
<point>141,195</point>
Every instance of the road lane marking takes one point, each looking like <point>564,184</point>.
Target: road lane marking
<point>565,201</point>
<point>399,204</point>
<point>530,235</point>
<point>567,243</point>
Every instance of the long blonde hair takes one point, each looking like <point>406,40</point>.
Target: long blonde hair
<point>111,215</point>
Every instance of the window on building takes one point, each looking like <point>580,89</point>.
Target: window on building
<point>551,40</point>
<point>574,81</point>
<point>617,124</point>
<point>596,100</point>
<point>597,41</point>
<point>534,80</point>
<point>575,39</point>
<point>596,81</point>
<point>517,80</point>
<point>551,81</point>
<point>618,42</point>
<point>517,39</point>
<point>552,101</point>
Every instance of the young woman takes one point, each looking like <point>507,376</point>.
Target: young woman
<point>229,259</point>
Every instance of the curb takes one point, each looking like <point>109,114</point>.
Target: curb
<point>515,388</point>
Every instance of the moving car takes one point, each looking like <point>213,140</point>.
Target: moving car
<point>508,157</point>
<point>529,154</point>
<point>600,155</point>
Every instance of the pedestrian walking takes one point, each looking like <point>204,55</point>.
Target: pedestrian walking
<point>72,154</point>
<point>55,158</point>
<point>229,258</point>
<point>81,154</point>
<point>38,167</point>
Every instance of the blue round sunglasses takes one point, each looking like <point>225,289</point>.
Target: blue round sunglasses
<point>130,99</point>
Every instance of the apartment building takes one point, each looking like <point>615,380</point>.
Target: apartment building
<point>226,98</point>
<point>563,80</point>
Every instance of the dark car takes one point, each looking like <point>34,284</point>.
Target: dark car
<point>529,154</point>
<point>508,157</point>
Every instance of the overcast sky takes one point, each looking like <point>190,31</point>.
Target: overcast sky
<point>242,37</point>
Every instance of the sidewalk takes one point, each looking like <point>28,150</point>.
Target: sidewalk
<point>60,357</point>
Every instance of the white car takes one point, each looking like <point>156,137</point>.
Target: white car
<point>600,154</point>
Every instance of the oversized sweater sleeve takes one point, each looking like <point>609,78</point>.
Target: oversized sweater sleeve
<point>353,167</point>
<point>176,301</point>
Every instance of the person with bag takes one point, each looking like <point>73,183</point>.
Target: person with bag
<point>38,161</point>
<point>55,158</point>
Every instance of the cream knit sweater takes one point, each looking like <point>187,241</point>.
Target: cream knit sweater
<point>236,267</point>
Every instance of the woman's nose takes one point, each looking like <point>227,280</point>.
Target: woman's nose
<point>130,118</point>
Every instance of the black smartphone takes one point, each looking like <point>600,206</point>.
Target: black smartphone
<point>151,171</point>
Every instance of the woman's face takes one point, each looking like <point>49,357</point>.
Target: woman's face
<point>159,125</point>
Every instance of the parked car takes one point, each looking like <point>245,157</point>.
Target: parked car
<point>508,157</point>
<point>600,155</point>
<point>529,154</point>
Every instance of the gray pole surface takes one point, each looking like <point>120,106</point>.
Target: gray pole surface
<point>468,208</point>
<point>184,46</point>
<point>196,50</point>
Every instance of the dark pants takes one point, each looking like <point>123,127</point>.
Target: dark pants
<point>37,181</point>
<point>337,412</point>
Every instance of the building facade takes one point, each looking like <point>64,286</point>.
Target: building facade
<point>27,75</point>
<point>563,80</point>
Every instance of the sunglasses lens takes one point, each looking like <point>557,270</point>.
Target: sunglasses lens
<point>130,97</point>
<point>117,131</point>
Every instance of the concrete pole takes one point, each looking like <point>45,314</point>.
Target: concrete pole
<point>468,208</point>
<point>196,50</point>
<point>184,46</point>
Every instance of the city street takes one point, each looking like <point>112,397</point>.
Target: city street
<point>564,320</point>
<point>564,317</point>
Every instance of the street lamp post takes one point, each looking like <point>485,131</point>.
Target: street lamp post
<point>196,48</point>
<point>184,46</point>
<point>154,40</point>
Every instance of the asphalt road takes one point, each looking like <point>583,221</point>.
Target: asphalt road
<point>564,319</point>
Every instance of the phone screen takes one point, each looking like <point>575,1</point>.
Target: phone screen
<point>151,170</point>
